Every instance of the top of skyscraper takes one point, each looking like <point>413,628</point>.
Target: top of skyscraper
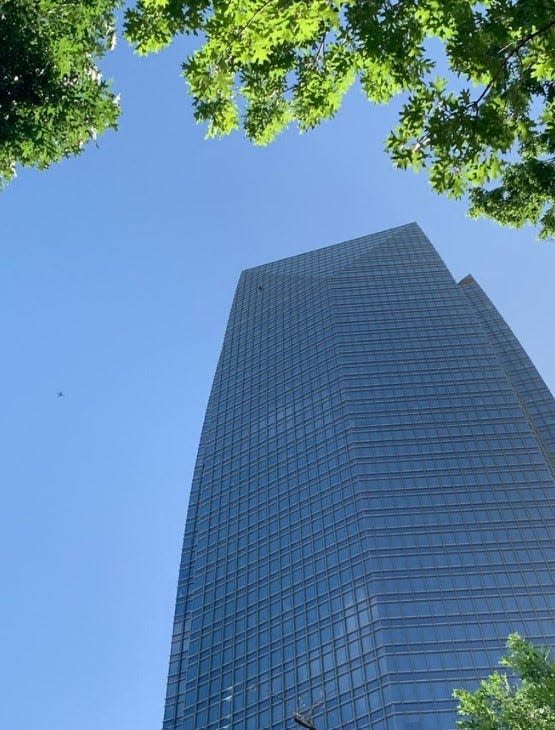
<point>328,259</point>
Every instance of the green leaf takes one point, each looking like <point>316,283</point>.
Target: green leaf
<point>53,99</point>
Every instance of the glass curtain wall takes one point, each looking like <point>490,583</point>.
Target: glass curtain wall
<point>372,509</point>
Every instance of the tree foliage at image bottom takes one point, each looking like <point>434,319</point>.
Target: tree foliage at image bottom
<point>487,132</point>
<point>52,97</point>
<point>524,702</point>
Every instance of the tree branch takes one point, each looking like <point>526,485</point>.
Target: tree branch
<point>521,43</point>
<point>486,91</point>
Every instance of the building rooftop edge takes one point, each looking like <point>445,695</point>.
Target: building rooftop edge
<point>467,280</point>
<point>412,224</point>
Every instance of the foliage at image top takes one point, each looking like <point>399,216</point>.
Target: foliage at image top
<point>487,131</point>
<point>523,701</point>
<point>52,96</point>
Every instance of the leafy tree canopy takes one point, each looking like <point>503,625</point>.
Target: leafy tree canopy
<point>52,96</point>
<point>487,131</point>
<point>526,702</point>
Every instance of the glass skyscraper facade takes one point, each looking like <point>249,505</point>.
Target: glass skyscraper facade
<point>372,509</point>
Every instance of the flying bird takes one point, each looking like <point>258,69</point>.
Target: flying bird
<point>60,394</point>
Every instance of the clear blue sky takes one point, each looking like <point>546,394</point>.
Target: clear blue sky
<point>116,277</point>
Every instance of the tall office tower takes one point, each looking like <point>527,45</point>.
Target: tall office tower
<point>372,509</point>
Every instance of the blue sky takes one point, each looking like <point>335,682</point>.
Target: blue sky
<point>116,277</point>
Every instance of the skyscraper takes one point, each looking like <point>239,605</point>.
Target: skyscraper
<point>372,509</point>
